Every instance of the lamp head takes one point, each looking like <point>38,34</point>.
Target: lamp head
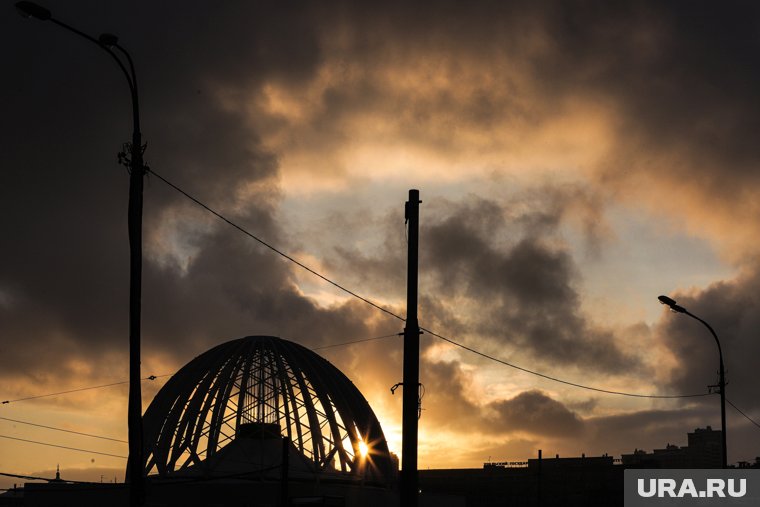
<point>32,10</point>
<point>672,304</point>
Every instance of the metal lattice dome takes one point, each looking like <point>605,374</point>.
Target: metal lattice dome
<point>263,386</point>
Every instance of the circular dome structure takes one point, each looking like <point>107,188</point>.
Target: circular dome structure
<point>257,388</point>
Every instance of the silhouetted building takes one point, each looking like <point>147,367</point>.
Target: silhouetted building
<point>12,497</point>
<point>591,462</point>
<point>562,481</point>
<point>704,450</point>
<point>254,421</point>
<point>747,464</point>
<point>572,482</point>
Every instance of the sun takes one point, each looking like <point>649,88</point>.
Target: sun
<point>363,449</point>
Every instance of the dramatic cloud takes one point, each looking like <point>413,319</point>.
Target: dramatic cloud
<point>521,280</point>
<point>538,132</point>
<point>731,309</point>
<point>534,412</point>
<point>451,402</point>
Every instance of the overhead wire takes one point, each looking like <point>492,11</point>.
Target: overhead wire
<point>63,430</point>
<point>337,345</point>
<point>389,312</point>
<point>742,413</point>
<point>347,291</point>
<point>30,477</point>
<point>151,377</point>
<point>355,341</point>
<point>555,379</point>
<point>247,475</point>
<point>274,249</point>
<point>36,478</point>
<point>62,446</point>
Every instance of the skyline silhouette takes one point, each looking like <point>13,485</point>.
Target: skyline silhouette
<point>575,161</point>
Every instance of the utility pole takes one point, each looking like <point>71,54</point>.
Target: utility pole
<point>409,481</point>
<point>665,300</point>
<point>134,161</point>
<point>136,461</point>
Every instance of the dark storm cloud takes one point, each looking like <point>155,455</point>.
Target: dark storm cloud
<point>232,288</point>
<point>681,80</point>
<point>450,405</point>
<point>644,429</point>
<point>446,401</point>
<point>677,83</point>
<point>384,267</point>
<point>684,79</point>
<point>498,271</point>
<point>731,309</point>
<point>525,290</point>
<point>684,74</point>
<point>535,412</point>
<point>695,87</point>
<point>64,272</point>
<point>552,424</point>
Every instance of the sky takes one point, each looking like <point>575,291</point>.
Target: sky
<point>575,160</point>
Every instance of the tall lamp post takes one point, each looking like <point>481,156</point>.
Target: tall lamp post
<point>721,381</point>
<point>134,161</point>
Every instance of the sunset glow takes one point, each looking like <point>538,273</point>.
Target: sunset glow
<point>363,449</point>
<point>574,162</point>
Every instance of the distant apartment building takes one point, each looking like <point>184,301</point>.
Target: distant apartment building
<point>703,451</point>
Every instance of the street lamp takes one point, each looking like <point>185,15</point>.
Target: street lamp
<point>134,161</point>
<point>721,381</point>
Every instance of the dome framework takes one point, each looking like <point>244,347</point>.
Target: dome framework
<point>263,382</point>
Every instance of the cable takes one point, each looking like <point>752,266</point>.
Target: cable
<point>48,479</point>
<point>272,248</point>
<point>152,377</point>
<point>249,475</point>
<point>63,447</point>
<point>354,294</point>
<point>61,429</point>
<point>742,413</point>
<point>31,477</point>
<point>555,379</point>
<point>355,341</point>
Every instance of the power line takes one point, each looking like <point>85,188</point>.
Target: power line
<point>152,377</point>
<point>742,413</point>
<point>272,248</point>
<point>63,430</point>
<point>354,294</point>
<point>555,379</point>
<point>250,475</point>
<point>48,479</point>
<point>355,341</point>
<point>30,477</point>
<point>62,447</point>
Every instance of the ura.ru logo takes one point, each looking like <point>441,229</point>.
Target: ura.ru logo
<point>715,488</point>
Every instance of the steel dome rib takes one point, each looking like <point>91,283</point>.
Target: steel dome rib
<point>263,379</point>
